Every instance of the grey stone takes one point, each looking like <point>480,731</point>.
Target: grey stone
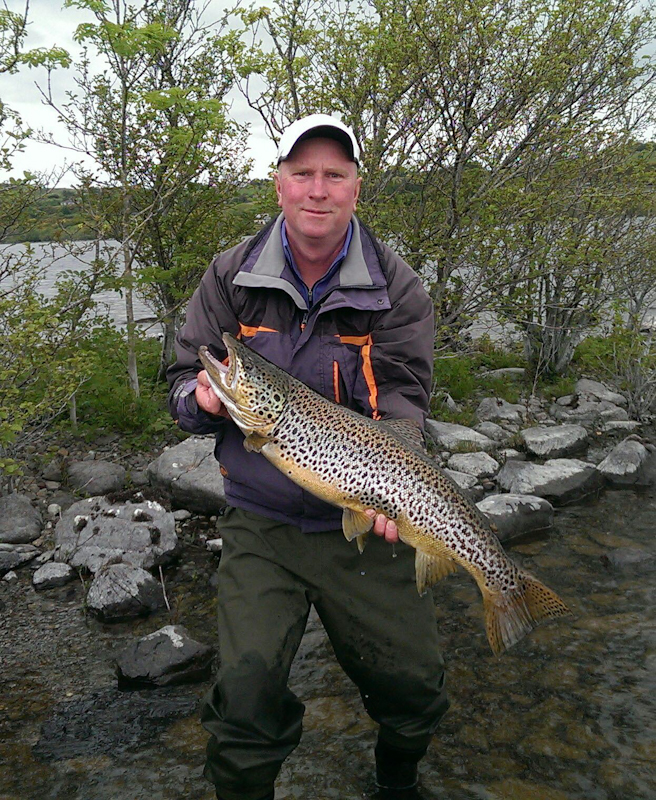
<point>96,477</point>
<point>480,465</point>
<point>10,577</point>
<point>510,453</point>
<point>557,441</point>
<point>53,471</point>
<point>517,514</point>
<point>492,431</point>
<point>626,464</point>
<point>454,437</point>
<point>52,574</point>
<point>13,556</point>
<point>20,521</point>
<point>560,480</point>
<point>214,545</point>
<point>514,373</point>
<point>121,591</point>
<point>590,411</point>
<point>626,425</point>
<point>93,532</point>
<point>54,509</point>
<point>167,656</point>
<point>139,477</point>
<point>624,557</point>
<point>191,475</point>
<point>599,391</point>
<point>495,409</point>
<point>181,515</point>
<point>462,479</point>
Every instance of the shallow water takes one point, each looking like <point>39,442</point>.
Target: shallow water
<point>569,713</point>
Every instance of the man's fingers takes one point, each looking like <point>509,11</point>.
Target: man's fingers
<point>383,526</point>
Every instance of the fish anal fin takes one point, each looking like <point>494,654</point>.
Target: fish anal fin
<point>361,541</point>
<point>355,525</point>
<point>510,616</point>
<point>430,568</point>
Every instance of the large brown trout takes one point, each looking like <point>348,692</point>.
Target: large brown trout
<point>357,463</point>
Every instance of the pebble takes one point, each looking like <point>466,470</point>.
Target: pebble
<point>54,509</point>
<point>10,577</point>
<point>214,545</point>
<point>181,515</point>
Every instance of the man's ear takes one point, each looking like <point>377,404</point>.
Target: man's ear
<point>276,183</point>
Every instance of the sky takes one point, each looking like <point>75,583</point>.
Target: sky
<point>52,25</point>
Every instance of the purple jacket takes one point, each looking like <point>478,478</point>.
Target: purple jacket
<point>367,343</point>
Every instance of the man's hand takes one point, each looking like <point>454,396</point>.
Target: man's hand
<point>383,526</point>
<point>207,399</point>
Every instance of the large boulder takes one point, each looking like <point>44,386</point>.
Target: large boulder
<point>515,514</point>
<point>20,521</point>
<point>167,656</point>
<point>96,477</point>
<point>560,480</point>
<point>554,441</point>
<point>93,532</point>
<point>121,591</point>
<point>191,475</point>
<point>454,437</point>
<point>629,463</point>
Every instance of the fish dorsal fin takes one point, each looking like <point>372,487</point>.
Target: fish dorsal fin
<point>407,431</point>
<point>430,569</point>
<point>355,523</point>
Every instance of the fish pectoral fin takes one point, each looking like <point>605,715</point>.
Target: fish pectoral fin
<point>253,443</point>
<point>430,568</point>
<point>355,525</point>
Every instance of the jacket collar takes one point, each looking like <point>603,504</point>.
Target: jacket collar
<point>266,267</point>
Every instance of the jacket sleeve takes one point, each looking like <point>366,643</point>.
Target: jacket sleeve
<point>402,341</point>
<point>209,314</point>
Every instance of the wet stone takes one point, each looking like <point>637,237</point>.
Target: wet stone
<point>121,591</point>
<point>516,514</point>
<point>51,575</point>
<point>167,656</point>
<point>627,464</point>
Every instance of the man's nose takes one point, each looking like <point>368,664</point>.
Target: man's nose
<point>318,187</point>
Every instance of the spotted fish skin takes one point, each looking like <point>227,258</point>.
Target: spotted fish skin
<point>357,463</point>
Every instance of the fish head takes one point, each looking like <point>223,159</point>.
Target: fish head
<point>253,390</point>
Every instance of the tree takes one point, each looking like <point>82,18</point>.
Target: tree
<point>460,108</point>
<point>169,160</point>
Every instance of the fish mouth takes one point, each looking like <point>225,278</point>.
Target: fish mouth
<point>223,378</point>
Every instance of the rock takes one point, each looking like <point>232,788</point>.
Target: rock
<point>121,591</point>
<point>190,474</point>
<point>560,480</point>
<point>53,471</point>
<point>93,532</point>
<point>495,409</point>
<point>214,545</point>
<point>52,574</point>
<point>455,437</point>
<point>516,514</point>
<point>462,479</point>
<point>167,656</point>
<point>139,477</point>
<point>54,510</point>
<point>181,515</point>
<point>492,431</point>
<point>598,391</point>
<point>13,556</point>
<point>10,577</point>
<point>96,477</point>
<point>509,453</point>
<point>627,464</point>
<point>590,411</point>
<point>554,441</point>
<point>627,425</point>
<point>515,373</point>
<point>624,557</point>
<point>20,521</point>
<point>480,465</point>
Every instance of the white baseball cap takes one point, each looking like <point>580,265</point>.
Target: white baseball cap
<point>318,125</point>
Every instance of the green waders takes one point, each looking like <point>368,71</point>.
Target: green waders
<point>383,633</point>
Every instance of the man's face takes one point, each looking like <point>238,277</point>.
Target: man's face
<point>318,189</point>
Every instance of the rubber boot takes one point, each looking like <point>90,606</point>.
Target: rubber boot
<point>396,771</point>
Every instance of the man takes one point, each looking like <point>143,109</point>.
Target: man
<point>318,295</point>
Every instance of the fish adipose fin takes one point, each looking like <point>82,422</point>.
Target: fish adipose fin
<point>429,569</point>
<point>509,617</point>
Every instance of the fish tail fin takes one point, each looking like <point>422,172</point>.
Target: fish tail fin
<point>509,616</point>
